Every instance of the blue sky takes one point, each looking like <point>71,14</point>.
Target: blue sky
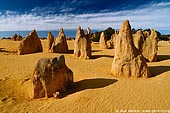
<point>96,14</point>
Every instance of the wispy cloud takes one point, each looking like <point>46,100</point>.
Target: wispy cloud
<point>148,16</point>
<point>11,12</point>
<point>67,10</point>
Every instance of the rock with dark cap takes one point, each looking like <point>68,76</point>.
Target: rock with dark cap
<point>19,38</point>
<point>14,37</point>
<point>51,75</point>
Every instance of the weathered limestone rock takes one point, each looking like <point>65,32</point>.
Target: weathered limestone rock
<point>112,41</point>
<point>146,33</point>
<point>102,42</point>
<point>88,32</point>
<point>19,38</point>
<point>61,45</point>
<point>109,44</point>
<point>14,37</point>
<point>82,45</point>
<point>127,60</point>
<point>30,44</point>
<point>88,38</point>
<point>77,44</point>
<point>150,47</point>
<point>50,39</point>
<point>51,75</point>
<point>138,40</point>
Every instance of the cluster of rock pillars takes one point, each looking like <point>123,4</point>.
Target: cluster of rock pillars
<point>51,75</point>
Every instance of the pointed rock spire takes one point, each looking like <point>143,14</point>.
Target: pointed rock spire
<point>61,45</point>
<point>30,44</point>
<point>82,44</point>
<point>150,47</point>
<point>102,42</point>
<point>139,40</point>
<point>127,60</point>
<point>50,40</point>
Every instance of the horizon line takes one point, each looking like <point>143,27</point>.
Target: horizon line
<point>163,32</point>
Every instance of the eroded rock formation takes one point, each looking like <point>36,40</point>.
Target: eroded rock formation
<point>82,44</point>
<point>150,47</point>
<point>50,40</point>
<point>127,59</point>
<point>19,38</point>
<point>146,33</point>
<point>51,75</point>
<point>88,38</point>
<point>60,45</point>
<point>139,40</point>
<point>14,37</point>
<point>109,44</point>
<point>30,44</point>
<point>102,41</point>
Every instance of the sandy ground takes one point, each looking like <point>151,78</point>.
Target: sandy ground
<point>98,92</point>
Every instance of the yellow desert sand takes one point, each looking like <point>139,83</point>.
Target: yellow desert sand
<point>99,91</point>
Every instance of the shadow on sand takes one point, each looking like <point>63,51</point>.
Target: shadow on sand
<point>8,52</point>
<point>96,51</point>
<point>2,50</point>
<point>99,56</point>
<point>163,57</point>
<point>157,70</point>
<point>70,51</point>
<point>93,56</point>
<point>89,84</point>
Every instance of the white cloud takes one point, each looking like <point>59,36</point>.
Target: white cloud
<point>67,9</point>
<point>11,12</point>
<point>151,16</point>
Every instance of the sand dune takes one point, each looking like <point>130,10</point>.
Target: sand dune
<point>97,91</point>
